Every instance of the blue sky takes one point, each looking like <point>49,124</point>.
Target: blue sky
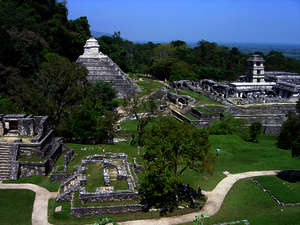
<point>254,21</point>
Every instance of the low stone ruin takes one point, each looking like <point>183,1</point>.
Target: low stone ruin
<point>73,189</point>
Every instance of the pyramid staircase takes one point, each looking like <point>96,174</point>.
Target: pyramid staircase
<point>105,69</point>
<point>5,164</point>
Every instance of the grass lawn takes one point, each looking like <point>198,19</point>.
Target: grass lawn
<point>201,99</point>
<point>16,206</point>
<point>83,151</point>
<point>190,116</point>
<point>119,184</point>
<point>247,201</point>
<point>239,156</point>
<point>129,126</point>
<point>94,177</point>
<point>42,181</point>
<point>148,86</point>
<point>285,191</point>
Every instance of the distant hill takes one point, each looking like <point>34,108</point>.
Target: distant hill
<point>288,50</point>
<point>97,34</point>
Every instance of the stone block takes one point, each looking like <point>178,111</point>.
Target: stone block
<point>2,127</point>
<point>58,208</point>
<point>26,127</point>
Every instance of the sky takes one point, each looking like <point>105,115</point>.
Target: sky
<point>241,21</point>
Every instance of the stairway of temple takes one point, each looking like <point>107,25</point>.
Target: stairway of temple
<point>5,161</point>
<point>101,67</point>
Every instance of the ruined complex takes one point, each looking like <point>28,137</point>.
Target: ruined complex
<point>27,146</point>
<point>101,67</point>
<point>257,85</point>
<point>258,95</point>
<point>114,169</point>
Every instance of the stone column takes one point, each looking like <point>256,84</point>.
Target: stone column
<point>2,128</point>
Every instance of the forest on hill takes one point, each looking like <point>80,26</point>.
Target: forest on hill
<point>38,73</point>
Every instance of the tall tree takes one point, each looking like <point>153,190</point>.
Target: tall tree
<point>54,89</point>
<point>171,148</point>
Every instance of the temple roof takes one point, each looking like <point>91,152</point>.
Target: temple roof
<point>91,43</point>
<point>255,58</point>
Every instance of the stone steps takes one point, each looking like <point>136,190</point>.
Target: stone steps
<point>5,165</point>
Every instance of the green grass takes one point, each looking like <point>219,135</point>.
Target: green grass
<point>16,206</point>
<point>31,159</point>
<point>201,99</point>
<point>42,181</point>
<point>121,147</point>
<point>148,86</point>
<point>94,177</point>
<point>285,191</point>
<point>247,201</point>
<point>239,156</point>
<point>119,184</point>
<point>190,116</point>
<point>129,126</point>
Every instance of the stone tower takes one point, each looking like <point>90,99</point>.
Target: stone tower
<point>256,70</point>
<point>101,67</point>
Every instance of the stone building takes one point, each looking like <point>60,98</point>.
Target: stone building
<point>257,85</point>
<point>27,146</point>
<point>101,67</point>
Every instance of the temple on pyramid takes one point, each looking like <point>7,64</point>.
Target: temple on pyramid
<point>101,67</point>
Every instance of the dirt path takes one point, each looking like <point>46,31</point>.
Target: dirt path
<point>40,205</point>
<point>213,204</point>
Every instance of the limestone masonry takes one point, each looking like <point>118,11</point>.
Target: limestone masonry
<point>101,67</point>
<point>22,139</point>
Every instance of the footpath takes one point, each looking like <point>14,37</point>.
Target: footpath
<point>40,205</point>
<point>213,204</point>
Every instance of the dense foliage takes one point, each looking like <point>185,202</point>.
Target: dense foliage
<point>171,148</point>
<point>177,61</point>
<point>38,74</point>
<point>289,137</point>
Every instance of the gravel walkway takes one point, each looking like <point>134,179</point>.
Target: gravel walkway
<point>213,204</point>
<point>40,205</point>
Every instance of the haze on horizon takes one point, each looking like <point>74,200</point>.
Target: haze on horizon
<point>244,21</point>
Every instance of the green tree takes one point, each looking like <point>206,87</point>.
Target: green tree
<point>296,147</point>
<point>227,125</point>
<point>92,119</point>
<point>254,131</point>
<point>289,132</point>
<point>7,106</point>
<point>55,89</point>
<point>171,148</point>
<point>298,106</point>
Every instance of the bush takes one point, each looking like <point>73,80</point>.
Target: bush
<point>254,131</point>
<point>227,125</point>
<point>289,133</point>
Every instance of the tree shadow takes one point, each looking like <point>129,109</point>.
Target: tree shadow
<point>290,175</point>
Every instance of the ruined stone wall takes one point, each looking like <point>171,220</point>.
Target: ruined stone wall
<point>271,116</point>
<point>105,210</point>
<point>28,169</point>
<point>37,149</point>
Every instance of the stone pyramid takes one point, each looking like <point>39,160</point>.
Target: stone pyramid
<point>101,67</point>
